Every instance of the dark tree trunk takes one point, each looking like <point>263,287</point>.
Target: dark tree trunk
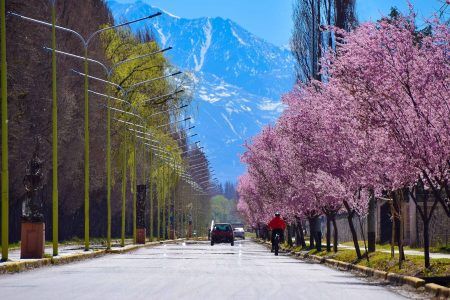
<point>354,235</point>
<point>318,233</point>
<point>335,234</point>
<point>426,242</point>
<point>426,215</point>
<point>345,17</point>
<point>297,236</point>
<point>350,215</point>
<point>328,233</point>
<point>318,75</point>
<point>311,233</point>
<point>426,233</point>
<point>393,231</point>
<point>289,235</point>
<point>301,241</point>
<point>371,223</point>
<point>400,231</point>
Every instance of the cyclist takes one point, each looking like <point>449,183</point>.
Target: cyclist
<point>277,225</point>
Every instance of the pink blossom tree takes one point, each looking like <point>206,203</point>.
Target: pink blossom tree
<point>398,79</point>
<point>381,123</point>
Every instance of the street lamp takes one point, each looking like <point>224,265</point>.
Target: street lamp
<point>126,93</point>
<point>85,43</point>
<point>198,166</point>
<point>164,187</point>
<point>5,170</point>
<point>177,131</point>
<point>172,123</point>
<point>191,150</point>
<point>109,72</point>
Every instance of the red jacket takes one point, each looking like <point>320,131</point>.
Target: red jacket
<point>277,223</point>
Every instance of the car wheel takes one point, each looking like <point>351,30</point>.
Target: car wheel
<point>212,243</point>
<point>232,243</point>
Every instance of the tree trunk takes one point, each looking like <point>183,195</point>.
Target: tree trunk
<point>335,234</point>
<point>318,233</point>
<point>426,233</point>
<point>393,231</point>
<point>297,235</point>
<point>426,242</point>
<point>289,235</point>
<point>400,234</point>
<point>311,233</point>
<point>371,223</point>
<point>301,235</point>
<point>366,252</point>
<point>426,217</point>
<point>328,233</point>
<point>352,229</point>
<point>318,75</point>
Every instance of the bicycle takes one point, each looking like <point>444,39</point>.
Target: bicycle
<point>276,243</point>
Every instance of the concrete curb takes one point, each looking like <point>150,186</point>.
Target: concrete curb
<point>21,266</point>
<point>438,291</point>
<point>62,260</point>
<point>15,267</point>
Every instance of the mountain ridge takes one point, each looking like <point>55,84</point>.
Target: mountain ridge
<point>240,76</point>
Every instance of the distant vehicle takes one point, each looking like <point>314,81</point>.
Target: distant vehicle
<point>239,232</point>
<point>222,233</point>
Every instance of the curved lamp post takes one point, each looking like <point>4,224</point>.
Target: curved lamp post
<point>85,41</point>
<point>126,92</point>
<point>109,71</point>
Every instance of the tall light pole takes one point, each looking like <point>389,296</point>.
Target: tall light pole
<point>55,197</point>
<point>86,42</point>
<point>126,94</point>
<point>108,72</point>
<point>124,190</point>
<point>5,170</point>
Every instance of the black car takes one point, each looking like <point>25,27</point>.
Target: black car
<point>222,233</point>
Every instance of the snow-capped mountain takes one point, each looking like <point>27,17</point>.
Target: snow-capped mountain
<point>240,78</point>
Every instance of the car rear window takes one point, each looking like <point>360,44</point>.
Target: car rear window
<point>222,227</point>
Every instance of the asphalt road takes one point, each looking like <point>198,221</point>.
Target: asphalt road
<point>193,271</point>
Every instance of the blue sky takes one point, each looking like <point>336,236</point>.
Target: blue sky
<point>271,19</point>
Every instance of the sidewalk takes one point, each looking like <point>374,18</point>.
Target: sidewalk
<point>435,255</point>
<point>68,253</point>
<point>65,250</point>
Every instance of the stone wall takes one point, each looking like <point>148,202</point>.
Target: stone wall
<point>344,233</point>
<point>412,229</point>
<point>439,228</point>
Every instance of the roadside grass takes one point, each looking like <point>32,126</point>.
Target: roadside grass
<point>413,266</point>
<point>251,235</point>
<point>436,249</point>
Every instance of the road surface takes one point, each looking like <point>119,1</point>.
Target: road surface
<point>193,271</point>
